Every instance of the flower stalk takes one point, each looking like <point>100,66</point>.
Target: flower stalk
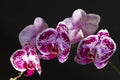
<point>114,67</point>
<point>15,78</point>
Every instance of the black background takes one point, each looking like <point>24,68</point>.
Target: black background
<point>15,15</point>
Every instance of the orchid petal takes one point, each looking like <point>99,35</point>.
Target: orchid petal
<point>53,43</point>
<point>45,43</point>
<point>79,17</point>
<point>89,29</point>
<point>76,35</point>
<point>105,49</point>
<point>103,33</point>
<point>93,19</point>
<point>81,22</point>
<point>85,51</point>
<point>26,59</point>
<point>29,73</point>
<point>68,22</point>
<point>100,65</point>
<point>64,47</point>
<point>82,61</point>
<point>34,58</point>
<point>62,27</point>
<point>18,59</point>
<point>29,33</point>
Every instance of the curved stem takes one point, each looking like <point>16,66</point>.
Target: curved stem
<point>114,67</point>
<point>15,78</point>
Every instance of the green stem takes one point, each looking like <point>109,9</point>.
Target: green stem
<point>114,67</point>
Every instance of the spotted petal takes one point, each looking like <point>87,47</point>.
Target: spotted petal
<point>100,65</point>
<point>103,33</point>
<point>18,59</point>
<point>64,47</point>
<point>32,56</point>
<point>46,44</point>
<point>26,59</point>
<point>105,49</point>
<point>53,43</point>
<point>86,52</point>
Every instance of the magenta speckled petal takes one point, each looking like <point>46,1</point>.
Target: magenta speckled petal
<point>62,27</point>
<point>18,59</point>
<point>100,65</point>
<point>46,41</point>
<point>29,73</point>
<point>103,33</point>
<point>64,47</point>
<point>82,61</point>
<point>96,48</point>
<point>85,51</point>
<point>105,49</point>
<point>26,59</point>
<point>53,43</point>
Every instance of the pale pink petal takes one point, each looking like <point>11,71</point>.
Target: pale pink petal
<point>100,65</point>
<point>75,35</point>
<point>29,33</point>
<point>89,29</point>
<point>68,22</point>
<point>79,17</point>
<point>93,19</point>
<point>40,25</point>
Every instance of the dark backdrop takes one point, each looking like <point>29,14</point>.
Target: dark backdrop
<point>15,15</point>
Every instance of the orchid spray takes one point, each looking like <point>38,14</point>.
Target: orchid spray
<point>39,42</point>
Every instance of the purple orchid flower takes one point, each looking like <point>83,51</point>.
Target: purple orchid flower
<point>26,59</point>
<point>29,33</point>
<point>81,24</point>
<point>96,48</point>
<point>53,43</point>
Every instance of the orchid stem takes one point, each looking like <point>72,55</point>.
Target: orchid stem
<point>15,78</point>
<point>114,67</point>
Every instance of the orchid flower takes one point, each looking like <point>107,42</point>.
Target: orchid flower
<point>53,43</point>
<point>26,59</point>
<point>29,33</point>
<point>81,24</point>
<point>96,48</point>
